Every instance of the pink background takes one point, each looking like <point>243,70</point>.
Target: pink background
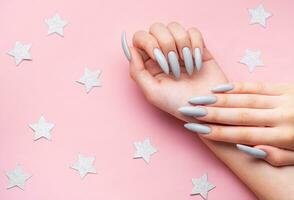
<point>106,122</point>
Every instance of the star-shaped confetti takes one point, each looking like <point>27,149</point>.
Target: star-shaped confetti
<point>201,186</point>
<point>17,178</point>
<point>259,15</point>
<point>56,25</point>
<point>84,165</point>
<point>252,59</point>
<point>42,129</point>
<point>20,52</point>
<point>144,150</point>
<point>90,79</point>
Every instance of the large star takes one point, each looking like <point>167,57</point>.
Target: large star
<point>90,79</point>
<point>56,25</point>
<point>201,186</point>
<point>20,52</point>
<point>84,165</point>
<point>144,150</point>
<point>17,177</point>
<point>42,128</point>
<point>259,15</point>
<point>252,59</point>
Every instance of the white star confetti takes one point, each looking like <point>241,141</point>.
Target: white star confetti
<point>20,52</point>
<point>42,129</point>
<point>259,15</point>
<point>84,165</point>
<point>56,25</point>
<point>17,178</point>
<point>201,186</point>
<point>144,150</point>
<point>90,79</point>
<point>252,59</point>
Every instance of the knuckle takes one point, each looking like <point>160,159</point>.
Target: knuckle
<point>222,100</point>
<point>194,30</point>
<point>245,136</point>
<point>276,159</point>
<point>173,23</point>
<point>214,115</point>
<point>250,101</point>
<point>243,117</point>
<point>288,138</point>
<point>167,42</point>
<point>155,26</point>
<point>259,87</point>
<point>217,132</point>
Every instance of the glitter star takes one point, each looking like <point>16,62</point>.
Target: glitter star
<point>259,15</point>
<point>17,178</point>
<point>84,165</point>
<point>144,150</point>
<point>201,186</point>
<point>55,25</point>
<point>42,128</point>
<point>252,59</point>
<point>20,52</point>
<point>90,79</point>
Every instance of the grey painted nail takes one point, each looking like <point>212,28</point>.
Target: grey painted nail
<point>201,100</point>
<point>222,88</point>
<point>161,60</point>
<point>199,128</point>
<point>174,63</point>
<point>255,152</point>
<point>193,111</point>
<point>198,58</point>
<point>125,47</point>
<point>188,60</point>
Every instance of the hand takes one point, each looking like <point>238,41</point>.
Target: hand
<point>262,115</point>
<point>162,90</point>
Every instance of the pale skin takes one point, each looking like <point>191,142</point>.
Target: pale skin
<point>269,128</point>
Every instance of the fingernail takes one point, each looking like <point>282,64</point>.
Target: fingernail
<point>198,58</point>
<point>199,128</point>
<point>188,60</point>
<point>161,60</point>
<point>222,88</point>
<point>193,111</point>
<point>255,152</point>
<point>125,47</point>
<point>203,100</point>
<point>174,62</point>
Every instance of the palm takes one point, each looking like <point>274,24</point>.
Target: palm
<point>170,94</point>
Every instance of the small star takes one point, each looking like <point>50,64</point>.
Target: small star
<point>42,129</point>
<point>144,150</point>
<point>201,186</point>
<point>84,165</point>
<point>90,79</point>
<point>55,25</point>
<point>259,15</point>
<point>252,59</point>
<point>17,177</point>
<point>20,52</point>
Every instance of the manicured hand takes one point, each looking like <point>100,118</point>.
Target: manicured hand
<point>259,115</point>
<point>147,65</point>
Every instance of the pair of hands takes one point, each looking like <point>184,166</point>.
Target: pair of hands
<point>254,114</point>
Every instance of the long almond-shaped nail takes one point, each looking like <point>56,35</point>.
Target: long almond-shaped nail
<point>174,63</point>
<point>198,58</point>
<point>161,60</point>
<point>193,111</point>
<point>255,152</point>
<point>198,128</point>
<point>124,45</point>
<point>222,88</point>
<point>203,100</point>
<point>188,60</point>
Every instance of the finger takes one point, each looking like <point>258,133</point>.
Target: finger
<point>238,134</point>
<point>235,116</point>
<point>237,101</point>
<point>277,156</point>
<point>249,88</point>
<point>145,41</point>
<point>138,72</point>
<point>197,46</point>
<point>183,44</point>
<point>167,45</point>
